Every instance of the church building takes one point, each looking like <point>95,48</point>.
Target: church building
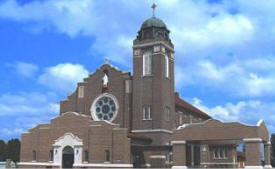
<point>118,119</point>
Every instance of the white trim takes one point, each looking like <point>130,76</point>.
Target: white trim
<point>152,44</point>
<point>92,109</point>
<point>268,166</point>
<point>209,163</point>
<point>158,156</point>
<point>38,163</point>
<point>58,142</point>
<point>146,165</point>
<point>178,142</point>
<point>260,122</point>
<point>95,125</point>
<point>104,165</point>
<point>179,167</point>
<point>253,167</point>
<point>206,121</point>
<point>70,112</point>
<point>110,123</point>
<point>152,131</point>
<point>68,139</point>
<point>252,140</point>
<point>112,66</point>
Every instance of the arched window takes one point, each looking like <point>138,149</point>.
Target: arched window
<point>107,155</point>
<point>34,155</point>
<point>167,66</point>
<point>147,63</point>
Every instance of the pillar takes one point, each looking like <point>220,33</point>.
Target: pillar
<point>179,155</point>
<point>192,154</point>
<point>253,153</point>
<point>267,156</point>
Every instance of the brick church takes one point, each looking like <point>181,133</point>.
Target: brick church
<point>115,119</point>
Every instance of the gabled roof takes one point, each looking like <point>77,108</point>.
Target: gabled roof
<point>182,103</point>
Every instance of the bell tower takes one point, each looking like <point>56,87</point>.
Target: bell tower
<point>153,81</point>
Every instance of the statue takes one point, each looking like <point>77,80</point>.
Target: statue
<point>105,80</point>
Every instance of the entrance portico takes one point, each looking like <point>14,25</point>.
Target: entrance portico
<point>213,144</point>
<point>63,147</point>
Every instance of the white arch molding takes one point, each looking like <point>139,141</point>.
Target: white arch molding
<point>68,139</point>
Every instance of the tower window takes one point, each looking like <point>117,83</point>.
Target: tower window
<point>146,113</point>
<point>167,113</point>
<point>107,155</point>
<point>147,63</point>
<point>167,66</point>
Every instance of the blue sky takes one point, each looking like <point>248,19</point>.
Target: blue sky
<point>225,55</point>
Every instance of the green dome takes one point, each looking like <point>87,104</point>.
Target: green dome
<point>153,22</point>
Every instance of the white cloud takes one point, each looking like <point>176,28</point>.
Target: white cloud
<point>74,18</point>
<point>15,131</point>
<point>240,78</point>
<point>197,27</point>
<point>248,111</point>
<point>24,69</point>
<point>21,111</point>
<point>219,31</point>
<point>63,77</point>
<point>68,16</point>
<point>28,104</point>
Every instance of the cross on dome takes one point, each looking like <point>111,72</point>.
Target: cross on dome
<point>154,6</point>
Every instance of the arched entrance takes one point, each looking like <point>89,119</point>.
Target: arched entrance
<point>64,148</point>
<point>67,157</point>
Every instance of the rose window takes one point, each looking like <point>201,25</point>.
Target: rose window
<point>104,108</point>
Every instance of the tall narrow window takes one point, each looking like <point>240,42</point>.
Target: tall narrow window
<point>166,66</point>
<point>107,155</point>
<point>80,91</point>
<point>147,63</point>
<point>146,113</point>
<point>220,153</point>
<point>167,113</point>
<point>51,155</point>
<point>86,156</point>
<point>34,155</point>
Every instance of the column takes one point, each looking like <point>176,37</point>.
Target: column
<point>179,155</point>
<point>192,155</point>
<point>57,155</point>
<point>267,156</point>
<point>78,155</point>
<point>253,153</point>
